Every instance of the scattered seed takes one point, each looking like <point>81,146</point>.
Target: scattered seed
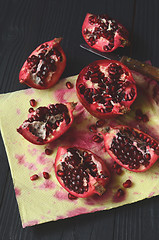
<point>127,183</point>
<point>31,110</point>
<point>69,85</point>
<point>97,138</point>
<point>120,192</point>
<point>48,151</point>
<point>46,175</point>
<point>34,177</point>
<point>33,102</point>
<point>100,123</point>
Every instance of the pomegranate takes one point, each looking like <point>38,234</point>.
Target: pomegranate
<point>106,88</point>
<point>103,33</point>
<point>81,172</point>
<point>44,66</point>
<point>131,148</point>
<point>46,124</point>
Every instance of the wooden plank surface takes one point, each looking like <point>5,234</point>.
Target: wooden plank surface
<point>24,24</point>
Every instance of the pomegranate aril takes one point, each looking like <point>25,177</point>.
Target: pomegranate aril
<point>100,123</point>
<point>71,197</point>
<point>93,128</point>
<point>127,183</point>
<point>46,175</point>
<point>119,171</point>
<point>31,110</point>
<point>48,151</point>
<point>34,177</point>
<point>33,102</point>
<point>97,138</point>
<point>60,173</point>
<point>69,85</point>
<point>120,193</point>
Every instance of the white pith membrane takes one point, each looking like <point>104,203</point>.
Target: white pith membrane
<point>35,78</point>
<point>149,150</point>
<point>39,127</point>
<point>108,28</point>
<point>117,107</point>
<point>89,180</point>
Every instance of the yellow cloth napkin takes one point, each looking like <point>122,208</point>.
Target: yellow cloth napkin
<point>45,200</point>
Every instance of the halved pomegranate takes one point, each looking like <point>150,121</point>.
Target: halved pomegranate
<point>104,33</point>
<point>46,124</point>
<point>131,148</point>
<point>81,172</point>
<point>106,88</point>
<point>44,66</point>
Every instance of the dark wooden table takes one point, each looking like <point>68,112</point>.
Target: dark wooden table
<point>24,24</point>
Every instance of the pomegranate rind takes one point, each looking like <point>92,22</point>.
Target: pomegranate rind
<point>52,79</point>
<point>119,40</point>
<point>118,109</point>
<point>95,186</point>
<point>55,134</point>
<point>111,133</point>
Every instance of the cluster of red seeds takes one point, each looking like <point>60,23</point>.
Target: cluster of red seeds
<point>75,168</point>
<point>108,90</point>
<point>131,148</point>
<point>44,62</point>
<point>105,27</point>
<point>44,114</point>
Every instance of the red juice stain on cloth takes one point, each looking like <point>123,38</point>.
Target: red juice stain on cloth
<point>30,223</point>
<point>48,184</point>
<point>20,158</point>
<point>61,195</point>
<point>17,191</point>
<point>29,91</point>
<point>42,159</point>
<point>21,161</point>
<point>77,211</point>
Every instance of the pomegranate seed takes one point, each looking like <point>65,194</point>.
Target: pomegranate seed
<point>46,175</point>
<point>48,151</point>
<point>119,171</point>
<point>71,197</point>
<point>120,193</point>
<point>60,173</point>
<point>127,184</point>
<point>97,139</point>
<point>33,102</point>
<point>93,128</point>
<point>31,110</point>
<point>69,85</point>
<point>100,123</point>
<point>34,177</point>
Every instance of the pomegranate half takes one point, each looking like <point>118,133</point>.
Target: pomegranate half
<point>46,124</point>
<point>80,172</point>
<point>44,66</point>
<point>106,88</point>
<point>104,33</point>
<point>131,148</point>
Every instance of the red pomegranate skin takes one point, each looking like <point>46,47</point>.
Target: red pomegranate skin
<point>44,66</point>
<point>131,148</point>
<point>104,33</point>
<point>96,184</point>
<point>51,133</point>
<point>103,93</point>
